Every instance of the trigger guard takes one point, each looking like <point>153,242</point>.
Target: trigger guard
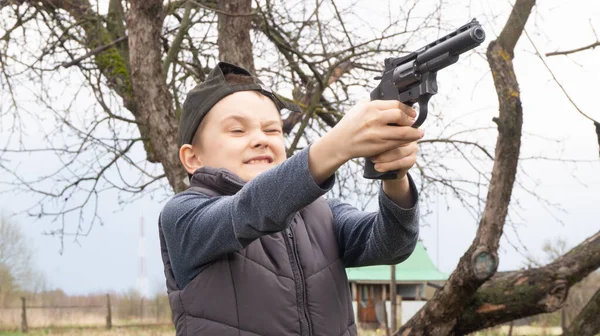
<point>422,105</point>
<point>421,117</point>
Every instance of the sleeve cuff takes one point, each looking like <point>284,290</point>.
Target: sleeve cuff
<point>386,201</point>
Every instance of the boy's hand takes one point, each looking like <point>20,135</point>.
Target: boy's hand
<point>401,158</point>
<point>365,131</point>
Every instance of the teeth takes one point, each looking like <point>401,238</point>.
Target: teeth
<point>258,161</point>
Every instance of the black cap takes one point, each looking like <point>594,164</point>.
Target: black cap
<point>206,94</point>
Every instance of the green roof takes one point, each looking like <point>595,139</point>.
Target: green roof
<point>418,267</point>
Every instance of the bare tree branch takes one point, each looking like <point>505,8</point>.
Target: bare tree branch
<point>567,52</point>
<point>529,292</point>
<point>557,82</point>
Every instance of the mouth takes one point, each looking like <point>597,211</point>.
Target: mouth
<point>263,159</point>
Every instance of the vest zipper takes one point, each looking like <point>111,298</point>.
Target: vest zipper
<point>299,281</point>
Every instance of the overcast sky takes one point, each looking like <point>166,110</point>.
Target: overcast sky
<point>108,259</point>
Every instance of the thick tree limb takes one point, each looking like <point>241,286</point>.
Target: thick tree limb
<point>441,314</point>
<point>152,97</point>
<point>176,45</point>
<point>234,41</point>
<point>515,25</point>
<point>512,295</point>
<point>587,322</point>
<point>92,52</point>
<point>115,23</point>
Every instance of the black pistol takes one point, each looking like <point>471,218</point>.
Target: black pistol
<point>412,78</point>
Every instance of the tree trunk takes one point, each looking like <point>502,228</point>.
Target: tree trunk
<point>137,80</point>
<point>587,322</point>
<point>153,99</point>
<point>234,41</point>
<point>512,295</point>
<point>441,314</point>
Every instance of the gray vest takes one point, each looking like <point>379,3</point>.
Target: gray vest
<point>287,283</point>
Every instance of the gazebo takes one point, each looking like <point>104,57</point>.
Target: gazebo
<point>416,278</point>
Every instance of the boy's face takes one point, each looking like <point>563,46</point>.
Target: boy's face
<point>242,133</point>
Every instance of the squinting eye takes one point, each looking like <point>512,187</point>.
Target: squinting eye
<point>237,131</point>
<point>273,131</point>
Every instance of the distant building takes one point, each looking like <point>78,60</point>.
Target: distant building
<point>372,283</point>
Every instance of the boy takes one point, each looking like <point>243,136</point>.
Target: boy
<point>251,248</point>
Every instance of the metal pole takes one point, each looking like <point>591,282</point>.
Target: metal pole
<point>393,298</point>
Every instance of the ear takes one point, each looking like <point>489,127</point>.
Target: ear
<point>189,159</point>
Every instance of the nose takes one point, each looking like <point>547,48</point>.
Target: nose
<point>259,139</point>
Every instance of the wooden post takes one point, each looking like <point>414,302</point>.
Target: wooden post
<point>24,327</point>
<point>394,318</point>
<point>108,313</point>
<point>386,325</point>
<point>563,321</point>
<point>157,308</point>
<point>356,296</point>
<point>399,309</point>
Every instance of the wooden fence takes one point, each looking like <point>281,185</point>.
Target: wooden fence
<point>102,311</point>
<point>25,308</point>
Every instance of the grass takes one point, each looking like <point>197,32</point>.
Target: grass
<point>166,330</point>
<point>499,331</point>
<point>67,319</point>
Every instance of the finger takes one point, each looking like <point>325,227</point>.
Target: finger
<point>400,133</point>
<point>396,116</point>
<point>396,153</point>
<point>393,104</point>
<point>404,163</point>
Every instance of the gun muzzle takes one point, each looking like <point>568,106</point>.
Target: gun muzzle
<point>455,45</point>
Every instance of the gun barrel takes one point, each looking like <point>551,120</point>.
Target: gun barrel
<point>454,45</point>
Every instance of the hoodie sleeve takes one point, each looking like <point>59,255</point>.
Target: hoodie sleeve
<point>388,236</point>
<point>198,229</point>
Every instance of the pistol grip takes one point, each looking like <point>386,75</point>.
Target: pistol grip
<point>372,174</point>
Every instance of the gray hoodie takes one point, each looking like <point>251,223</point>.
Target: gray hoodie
<point>221,220</point>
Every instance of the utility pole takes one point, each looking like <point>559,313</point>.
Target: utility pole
<point>142,278</point>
